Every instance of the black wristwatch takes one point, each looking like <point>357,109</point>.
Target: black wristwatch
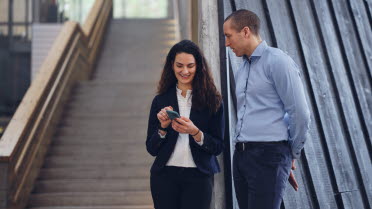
<point>162,129</point>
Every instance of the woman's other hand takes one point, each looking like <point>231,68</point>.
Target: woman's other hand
<point>163,117</point>
<point>184,125</point>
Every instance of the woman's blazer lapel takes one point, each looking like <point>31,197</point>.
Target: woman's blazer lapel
<point>172,96</point>
<point>173,99</point>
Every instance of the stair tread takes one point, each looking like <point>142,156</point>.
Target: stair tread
<point>98,207</point>
<point>91,198</point>
<point>133,171</point>
<point>86,185</point>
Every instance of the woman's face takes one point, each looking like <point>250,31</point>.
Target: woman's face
<point>184,68</point>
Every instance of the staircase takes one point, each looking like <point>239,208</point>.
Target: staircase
<point>98,158</point>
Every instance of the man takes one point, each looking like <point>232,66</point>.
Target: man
<point>272,115</point>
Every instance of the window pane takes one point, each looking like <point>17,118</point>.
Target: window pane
<point>3,11</point>
<point>3,30</point>
<point>76,10</point>
<point>19,10</point>
<point>140,8</point>
<point>48,11</point>
<point>19,32</point>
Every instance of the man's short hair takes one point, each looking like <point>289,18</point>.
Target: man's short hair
<point>242,18</point>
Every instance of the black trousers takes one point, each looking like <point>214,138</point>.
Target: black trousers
<point>261,173</point>
<point>181,188</point>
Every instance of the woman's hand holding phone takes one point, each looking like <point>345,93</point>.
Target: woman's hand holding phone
<point>163,117</point>
<point>184,125</point>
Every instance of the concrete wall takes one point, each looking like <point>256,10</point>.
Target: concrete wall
<point>209,42</point>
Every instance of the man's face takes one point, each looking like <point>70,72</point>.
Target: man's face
<point>234,39</point>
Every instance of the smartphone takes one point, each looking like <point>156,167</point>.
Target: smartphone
<point>173,114</point>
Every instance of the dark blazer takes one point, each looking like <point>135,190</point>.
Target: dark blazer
<point>212,125</point>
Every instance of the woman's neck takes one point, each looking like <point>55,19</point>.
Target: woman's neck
<point>184,88</point>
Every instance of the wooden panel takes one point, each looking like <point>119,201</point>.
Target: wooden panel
<point>358,142</point>
<point>360,17</point>
<point>324,93</point>
<point>319,174</point>
<point>331,41</point>
<point>227,8</point>
<point>368,5</point>
<point>357,69</point>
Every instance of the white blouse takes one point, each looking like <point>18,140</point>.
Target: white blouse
<point>181,155</point>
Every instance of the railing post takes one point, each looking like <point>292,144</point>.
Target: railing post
<point>4,185</point>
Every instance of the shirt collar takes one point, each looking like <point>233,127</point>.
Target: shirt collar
<point>179,92</point>
<point>258,51</point>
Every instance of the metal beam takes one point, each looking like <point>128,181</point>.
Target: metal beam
<point>26,16</point>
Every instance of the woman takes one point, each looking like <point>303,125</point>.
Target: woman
<point>186,147</point>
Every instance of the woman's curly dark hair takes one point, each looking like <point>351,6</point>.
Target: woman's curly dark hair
<point>204,92</point>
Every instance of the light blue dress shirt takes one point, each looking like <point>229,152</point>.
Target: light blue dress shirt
<point>271,103</point>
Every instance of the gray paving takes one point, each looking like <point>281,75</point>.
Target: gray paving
<point>98,157</point>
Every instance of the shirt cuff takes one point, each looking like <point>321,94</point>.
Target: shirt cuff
<point>162,136</point>
<point>201,140</point>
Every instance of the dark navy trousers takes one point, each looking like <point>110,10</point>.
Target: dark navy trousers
<point>260,174</point>
<point>181,188</point>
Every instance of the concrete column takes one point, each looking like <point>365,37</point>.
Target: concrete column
<point>208,37</point>
<point>194,21</point>
<point>185,18</point>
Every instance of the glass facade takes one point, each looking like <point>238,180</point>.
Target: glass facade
<point>140,8</point>
<point>3,30</point>
<point>21,12</point>
<point>4,11</point>
<point>15,49</point>
<point>76,10</point>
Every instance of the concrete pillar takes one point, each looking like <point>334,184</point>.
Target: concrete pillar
<point>185,18</point>
<point>194,21</point>
<point>208,37</point>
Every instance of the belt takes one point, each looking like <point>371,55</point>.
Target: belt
<point>241,146</point>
